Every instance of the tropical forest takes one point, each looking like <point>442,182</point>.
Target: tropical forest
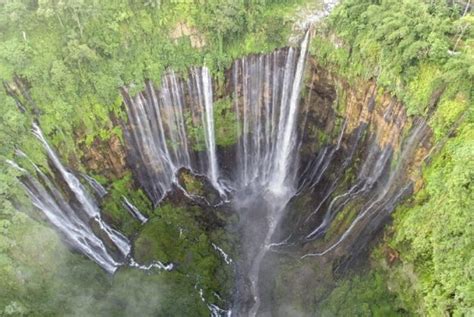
<point>233,158</point>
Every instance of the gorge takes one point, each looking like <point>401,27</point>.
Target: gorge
<point>272,122</point>
<point>260,189</point>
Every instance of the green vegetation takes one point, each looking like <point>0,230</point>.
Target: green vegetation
<point>226,124</point>
<point>192,184</point>
<point>434,230</point>
<point>175,235</point>
<point>450,112</point>
<point>412,48</point>
<point>114,211</point>
<point>362,295</point>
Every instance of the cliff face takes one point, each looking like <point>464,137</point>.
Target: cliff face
<point>105,157</point>
<point>360,156</point>
<point>358,147</point>
<point>331,100</point>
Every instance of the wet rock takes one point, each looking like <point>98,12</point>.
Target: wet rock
<point>198,187</point>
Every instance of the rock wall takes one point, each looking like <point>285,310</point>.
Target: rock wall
<point>353,135</point>
<point>105,157</point>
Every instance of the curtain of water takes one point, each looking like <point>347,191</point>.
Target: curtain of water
<point>167,126</point>
<point>72,210</point>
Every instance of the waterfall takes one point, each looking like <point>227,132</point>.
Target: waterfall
<point>224,255</point>
<point>46,197</point>
<point>286,138</point>
<point>173,126</point>
<point>259,112</point>
<point>371,171</point>
<point>99,190</point>
<point>209,124</point>
<point>72,211</point>
<point>154,265</point>
<point>75,214</point>
<point>166,128</point>
<point>134,212</point>
<point>266,98</point>
<point>383,201</point>
<point>87,203</point>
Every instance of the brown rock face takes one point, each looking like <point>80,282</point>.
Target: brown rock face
<point>105,157</point>
<point>184,30</point>
<point>330,99</point>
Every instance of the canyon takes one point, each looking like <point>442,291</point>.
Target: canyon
<point>236,158</point>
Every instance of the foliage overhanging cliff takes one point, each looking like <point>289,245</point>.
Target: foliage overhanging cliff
<point>422,53</point>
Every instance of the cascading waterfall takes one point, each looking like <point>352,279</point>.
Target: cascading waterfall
<point>87,203</point>
<point>266,97</point>
<point>207,114</point>
<point>73,220</point>
<point>75,214</point>
<point>166,124</point>
<point>77,233</point>
<point>261,87</point>
<point>286,142</point>
<point>163,126</point>
<point>315,169</point>
<point>383,201</point>
<point>370,173</point>
<point>267,106</point>
<point>134,212</point>
<point>99,190</point>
